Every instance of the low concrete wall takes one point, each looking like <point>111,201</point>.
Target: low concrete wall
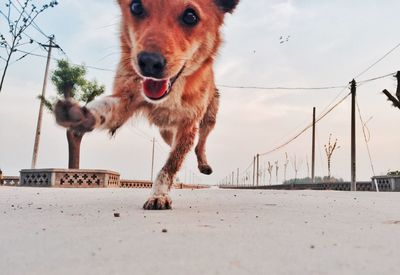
<point>338,186</point>
<point>9,181</point>
<point>69,178</point>
<point>390,183</point>
<point>135,184</point>
<point>80,178</point>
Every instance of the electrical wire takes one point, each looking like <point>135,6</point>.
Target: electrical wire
<point>281,88</point>
<point>58,59</point>
<point>362,82</point>
<point>305,129</point>
<point>367,136</point>
<point>378,61</point>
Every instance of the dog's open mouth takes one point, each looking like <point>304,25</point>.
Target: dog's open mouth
<point>157,89</point>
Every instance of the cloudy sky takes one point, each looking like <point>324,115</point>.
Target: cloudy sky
<point>330,43</point>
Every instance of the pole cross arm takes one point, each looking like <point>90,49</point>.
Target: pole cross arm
<point>391,98</point>
<point>398,85</point>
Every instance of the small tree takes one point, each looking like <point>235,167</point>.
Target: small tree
<point>70,82</point>
<point>263,173</point>
<point>285,165</point>
<point>296,164</point>
<point>329,149</point>
<point>18,20</point>
<point>270,169</point>
<point>295,168</point>
<point>276,171</point>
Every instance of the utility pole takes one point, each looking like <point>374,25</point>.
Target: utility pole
<point>353,136</point>
<point>258,168</point>
<point>152,160</point>
<point>313,149</point>
<point>50,46</point>
<point>254,170</point>
<point>237,174</point>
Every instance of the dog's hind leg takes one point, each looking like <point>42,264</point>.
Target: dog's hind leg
<point>206,126</point>
<point>184,141</point>
<point>167,135</point>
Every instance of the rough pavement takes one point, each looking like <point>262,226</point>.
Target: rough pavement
<point>105,231</point>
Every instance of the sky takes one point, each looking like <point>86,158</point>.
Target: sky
<point>330,43</point>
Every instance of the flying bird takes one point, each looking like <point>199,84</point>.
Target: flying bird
<point>284,39</point>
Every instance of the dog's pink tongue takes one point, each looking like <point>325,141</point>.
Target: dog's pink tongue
<point>155,89</point>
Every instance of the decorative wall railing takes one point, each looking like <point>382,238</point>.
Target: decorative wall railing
<point>9,181</point>
<point>81,178</point>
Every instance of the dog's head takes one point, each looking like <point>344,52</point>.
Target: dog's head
<point>167,39</point>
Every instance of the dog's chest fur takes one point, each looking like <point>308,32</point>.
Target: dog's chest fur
<point>177,111</point>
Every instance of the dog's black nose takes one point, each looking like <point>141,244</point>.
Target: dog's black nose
<point>151,64</point>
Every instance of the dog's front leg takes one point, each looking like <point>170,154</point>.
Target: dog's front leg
<point>107,113</point>
<point>184,141</point>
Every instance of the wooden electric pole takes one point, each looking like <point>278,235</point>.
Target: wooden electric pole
<point>254,170</point>
<point>353,136</point>
<point>258,168</point>
<point>313,149</point>
<point>50,46</point>
<point>237,175</point>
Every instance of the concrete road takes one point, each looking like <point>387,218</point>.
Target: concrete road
<point>71,231</point>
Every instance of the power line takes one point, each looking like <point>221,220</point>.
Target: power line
<point>139,134</point>
<point>58,59</point>
<point>25,55</point>
<point>379,60</point>
<point>366,139</point>
<point>375,78</point>
<point>282,88</point>
<point>250,87</point>
<point>143,132</point>
<point>305,129</point>
<point>35,26</point>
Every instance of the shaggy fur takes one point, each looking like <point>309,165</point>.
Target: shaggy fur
<point>191,106</point>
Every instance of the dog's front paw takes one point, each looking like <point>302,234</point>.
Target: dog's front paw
<point>162,202</point>
<point>205,169</point>
<point>70,115</point>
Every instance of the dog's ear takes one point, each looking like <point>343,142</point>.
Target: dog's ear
<point>227,5</point>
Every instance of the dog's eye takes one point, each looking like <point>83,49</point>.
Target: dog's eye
<point>137,8</point>
<point>190,17</point>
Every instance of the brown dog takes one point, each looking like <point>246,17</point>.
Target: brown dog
<point>165,73</point>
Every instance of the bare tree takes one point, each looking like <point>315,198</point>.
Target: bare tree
<point>270,169</point>
<point>295,167</point>
<point>276,171</point>
<point>285,165</point>
<point>18,20</point>
<point>296,164</point>
<point>329,149</point>
<point>263,173</point>
<point>393,99</point>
